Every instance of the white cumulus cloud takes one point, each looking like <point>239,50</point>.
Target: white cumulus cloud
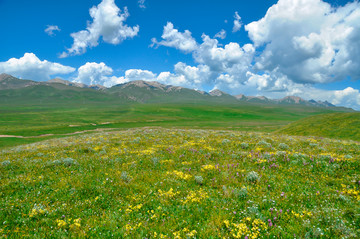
<point>276,85</point>
<point>230,58</point>
<point>309,41</point>
<point>108,22</point>
<point>138,74</point>
<point>93,73</point>
<point>31,67</point>
<point>192,76</point>
<point>237,23</point>
<point>270,82</point>
<point>216,64</point>
<point>221,34</point>
<point>222,66</point>
<point>51,29</point>
<point>349,97</point>
<point>173,38</point>
<point>297,44</point>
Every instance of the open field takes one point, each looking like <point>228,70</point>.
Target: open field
<point>59,118</point>
<point>168,183</point>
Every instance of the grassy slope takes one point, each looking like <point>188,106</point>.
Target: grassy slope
<point>50,109</point>
<point>54,118</point>
<point>335,125</point>
<point>141,184</point>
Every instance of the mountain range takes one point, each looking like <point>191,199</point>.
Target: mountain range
<point>135,91</point>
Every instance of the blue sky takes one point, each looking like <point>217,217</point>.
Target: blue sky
<point>308,48</point>
<point>26,33</point>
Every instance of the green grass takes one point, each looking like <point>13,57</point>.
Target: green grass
<point>176,183</point>
<point>335,125</point>
<point>29,119</point>
<point>51,109</point>
<point>194,167</point>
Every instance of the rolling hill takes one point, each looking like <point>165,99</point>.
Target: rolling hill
<point>31,109</point>
<point>335,125</point>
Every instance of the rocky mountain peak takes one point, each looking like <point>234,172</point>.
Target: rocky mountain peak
<point>294,99</point>
<point>146,84</point>
<point>4,76</point>
<point>217,92</point>
<point>65,82</point>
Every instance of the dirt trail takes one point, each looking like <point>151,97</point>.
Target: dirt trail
<point>45,135</point>
<point>10,136</point>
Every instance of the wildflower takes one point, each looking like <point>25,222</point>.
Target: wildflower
<point>252,177</point>
<point>37,210</point>
<point>5,163</point>
<point>76,224</point>
<point>125,177</point>
<point>195,196</point>
<point>208,167</point>
<point>168,194</point>
<point>68,161</point>
<point>61,223</point>
<point>199,180</point>
<point>227,223</point>
<point>283,146</point>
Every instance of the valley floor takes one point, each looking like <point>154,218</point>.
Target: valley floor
<point>28,123</point>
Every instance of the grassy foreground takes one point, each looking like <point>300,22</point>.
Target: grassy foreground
<point>167,183</point>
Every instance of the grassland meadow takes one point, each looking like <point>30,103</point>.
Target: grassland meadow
<point>173,183</point>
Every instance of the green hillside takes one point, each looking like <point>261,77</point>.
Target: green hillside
<point>31,109</point>
<point>54,94</point>
<point>50,115</point>
<point>156,95</point>
<point>335,125</point>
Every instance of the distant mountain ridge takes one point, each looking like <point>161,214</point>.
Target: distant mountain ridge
<point>150,85</point>
<point>10,82</point>
<point>152,91</point>
<point>286,100</point>
<point>65,82</point>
